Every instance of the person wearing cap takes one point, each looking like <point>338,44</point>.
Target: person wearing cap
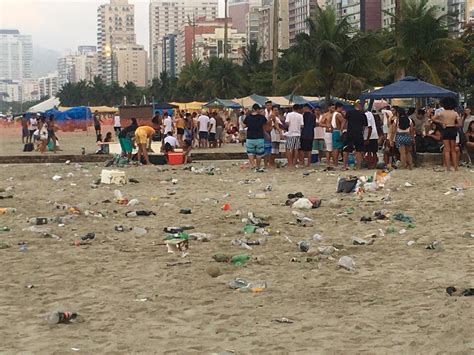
<point>256,123</point>
<point>295,124</point>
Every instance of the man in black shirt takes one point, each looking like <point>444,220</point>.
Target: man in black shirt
<point>255,144</point>
<point>307,135</point>
<point>354,138</point>
<point>125,138</point>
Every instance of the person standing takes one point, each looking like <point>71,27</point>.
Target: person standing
<point>275,135</point>
<point>307,135</point>
<point>33,126</point>
<point>117,124</point>
<point>220,129</point>
<point>450,121</point>
<point>268,108</point>
<point>242,128</point>
<point>97,122</point>
<point>467,118</point>
<point>325,123</point>
<point>143,137</point>
<point>167,124</point>
<point>337,121</point>
<point>180,129</point>
<point>371,140</point>
<point>125,139</point>
<point>255,123</point>
<point>318,142</point>
<point>24,129</point>
<point>203,130</point>
<point>212,130</point>
<point>354,139</point>
<point>295,123</point>
<point>404,139</point>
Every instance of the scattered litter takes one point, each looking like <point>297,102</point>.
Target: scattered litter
<point>241,243</point>
<point>303,246</point>
<point>142,213</point>
<point>360,241</point>
<point>213,271</point>
<point>179,263</point>
<point>185,211</point>
<point>61,317</point>
<point>133,180</point>
<point>408,184</point>
<point>250,181</point>
<point>436,245</point>
<point>247,286</point>
<point>402,217</point>
<point>453,291</point>
<point>347,263</point>
<point>402,231</point>
<point>225,207</point>
<point>410,243</point>
<point>200,237</point>
<point>57,177</point>
<point>133,202</point>
<point>284,320</point>
<point>317,237</point>
<point>116,177</point>
<point>239,260</point>
<point>468,235</point>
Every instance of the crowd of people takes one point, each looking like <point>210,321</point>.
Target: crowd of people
<point>342,137</point>
<point>36,129</point>
<point>356,135</point>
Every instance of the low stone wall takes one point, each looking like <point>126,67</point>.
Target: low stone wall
<point>422,158</point>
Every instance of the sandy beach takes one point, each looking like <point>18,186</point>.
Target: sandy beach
<point>132,302</point>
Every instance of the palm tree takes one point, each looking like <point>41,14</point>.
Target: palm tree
<point>422,47</point>
<point>191,81</point>
<point>252,55</point>
<point>336,55</point>
<point>223,79</point>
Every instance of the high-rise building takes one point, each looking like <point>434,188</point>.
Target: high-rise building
<point>168,17</point>
<point>252,24</point>
<point>130,64</point>
<point>81,65</point>
<point>16,55</point>
<point>470,10</point>
<point>210,45</point>
<point>48,85</point>
<point>298,13</point>
<point>170,55</point>
<point>266,27</point>
<point>116,26</point>
<point>364,15</point>
<point>238,10</point>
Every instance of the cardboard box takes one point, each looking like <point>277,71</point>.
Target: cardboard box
<point>113,177</point>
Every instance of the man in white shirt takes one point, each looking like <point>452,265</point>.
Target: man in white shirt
<point>318,143</point>
<point>212,131</point>
<point>170,142</point>
<point>117,124</point>
<point>167,124</point>
<point>371,139</point>
<point>295,123</point>
<point>203,130</point>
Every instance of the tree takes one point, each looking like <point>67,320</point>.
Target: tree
<point>252,57</point>
<point>190,85</point>
<point>336,56</point>
<point>422,47</point>
<point>223,79</point>
<point>464,82</point>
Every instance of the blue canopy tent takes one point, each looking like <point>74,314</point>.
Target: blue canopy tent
<point>71,119</point>
<point>222,103</point>
<point>408,87</point>
<point>295,99</point>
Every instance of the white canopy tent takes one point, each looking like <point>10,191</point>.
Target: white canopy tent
<point>45,105</point>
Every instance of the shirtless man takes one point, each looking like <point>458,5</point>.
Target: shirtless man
<point>325,122</point>
<point>337,121</point>
<point>450,123</point>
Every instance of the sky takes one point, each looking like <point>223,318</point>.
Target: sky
<point>63,25</point>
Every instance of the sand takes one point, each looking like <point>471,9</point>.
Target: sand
<point>394,302</point>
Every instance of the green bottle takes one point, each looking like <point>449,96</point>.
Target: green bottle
<point>4,229</point>
<point>240,259</point>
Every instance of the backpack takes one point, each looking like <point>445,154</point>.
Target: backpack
<point>28,147</point>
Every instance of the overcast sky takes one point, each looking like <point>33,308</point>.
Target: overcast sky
<point>65,24</point>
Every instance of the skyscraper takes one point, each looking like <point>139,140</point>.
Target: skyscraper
<point>298,13</point>
<point>266,27</point>
<point>167,17</point>
<point>16,55</point>
<point>115,26</point>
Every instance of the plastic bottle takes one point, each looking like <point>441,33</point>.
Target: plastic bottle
<point>61,317</point>
<point>241,243</point>
<point>39,221</point>
<point>240,259</point>
<point>131,214</point>
<point>4,229</point>
<point>247,286</point>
